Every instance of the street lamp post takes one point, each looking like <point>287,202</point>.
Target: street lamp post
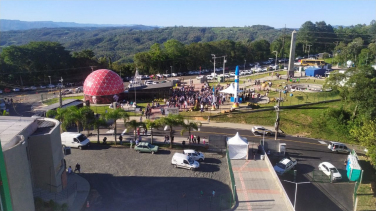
<point>224,62</point>
<point>50,79</point>
<point>171,71</point>
<point>61,84</point>
<point>244,64</point>
<point>296,189</point>
<point>276,58</point>
<point>213,55</point>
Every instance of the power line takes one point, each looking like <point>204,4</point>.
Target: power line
<point>45,70</point>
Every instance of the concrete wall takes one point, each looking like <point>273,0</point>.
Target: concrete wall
<point>19,180</point>
<point>46,158</point>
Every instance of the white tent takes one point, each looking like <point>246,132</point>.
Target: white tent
<point>230,90</point>
<point>237,147</point>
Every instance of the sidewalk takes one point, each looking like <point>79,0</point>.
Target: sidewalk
<point>256,188</point>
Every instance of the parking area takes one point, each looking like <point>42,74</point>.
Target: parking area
<point>330,196</point>
<point>122,179</point>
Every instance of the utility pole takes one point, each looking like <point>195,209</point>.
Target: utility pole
<point>213,56</point>
<point>276,58</point>
<point>244,64</point>
<point>309,48</point>
<point>276,125</point>
<point>60,99</point>
<point>171,71</point>
<point>224,62</point>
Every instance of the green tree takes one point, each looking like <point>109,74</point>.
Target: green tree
<point>60,115</point>
<point>114,115</point>
<point>365,134</point>
<point>82,117</point>
<point>97,124</point>
<point>133,124</point>
<point>151,125</point>
<point>171,121</point>
<point>189,126</point>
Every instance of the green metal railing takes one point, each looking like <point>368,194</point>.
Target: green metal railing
<point>233,186</point>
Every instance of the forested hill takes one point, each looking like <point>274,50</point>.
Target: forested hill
<point>122,43</point>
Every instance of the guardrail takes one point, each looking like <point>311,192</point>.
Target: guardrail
<point>233,186</point>
<point>275,176</point>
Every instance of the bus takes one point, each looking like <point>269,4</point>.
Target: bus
<point>312,62</point>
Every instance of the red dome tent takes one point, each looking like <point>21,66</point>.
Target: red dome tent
<point>103,86</point>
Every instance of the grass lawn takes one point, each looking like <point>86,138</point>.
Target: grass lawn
<point>366,198</point>
<point>102,110</point>
<point>298,121</point>
<point>56,100</point>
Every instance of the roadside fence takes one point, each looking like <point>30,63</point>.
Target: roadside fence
<point>233,186</point>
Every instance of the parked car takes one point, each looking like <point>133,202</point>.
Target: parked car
<point>51,86</point>
<point>146,147</point>
<point>338,147</point>
<point>16,89</point>
<point>155,82</point>
<point>1,91</point>
<point>26,89</point>
<point>328,168</point>
<point>199,77</point>
<point>184,161</point>
<point>199,156</point>
<point>33,88</point>
<point>148,82</point>
<point>59,85</point>
<point>209,77</point>
<point>259,130</point>
<point>7,90</point>
<point>284,166</point>
<point>174,74</point>
<point>74,139</point>
<point>42,87</point>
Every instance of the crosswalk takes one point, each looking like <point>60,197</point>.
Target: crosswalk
<point>322,142</point>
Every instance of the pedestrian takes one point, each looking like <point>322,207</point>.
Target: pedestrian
<point>213,193</point>
<point>165,139</point>
<point>136,142</point>
<point>140,118</point>
<point>198,139</point>
<point>78,168</point>
<point>69,170</point>
<point>104,140</point>
<point>121,139</point>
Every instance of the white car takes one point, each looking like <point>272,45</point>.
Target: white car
<point>33,88</point>
<point>51,86</point>
<point>209,77</point>
<point>232,74</point>
<point>42,87</point>
<point>155,82</point>
<point>16,89</point>
<point>327,168</point>
<point>167,75</point>
<point>199,156</point>
<point>148,82</point>
<point>174,74</point>
<point>285,165</point>
<point>259,130</point>
<point>199,77</point>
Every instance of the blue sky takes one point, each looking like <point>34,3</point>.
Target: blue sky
<point>193,13</point>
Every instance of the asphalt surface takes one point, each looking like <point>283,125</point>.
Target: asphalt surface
<point>122,179</point>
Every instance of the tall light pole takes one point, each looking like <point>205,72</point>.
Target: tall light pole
<point>50,79</point>
<point>213,55</point>
<point>276,58</point>
<point>60,99</point>
<point>224,62</point>
<point>171,71</point>
<point>296,189</point>
<point>244,64</point>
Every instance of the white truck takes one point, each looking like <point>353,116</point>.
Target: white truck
<point>285,165</point>
<point>184,161</point>
<point>74,140</point>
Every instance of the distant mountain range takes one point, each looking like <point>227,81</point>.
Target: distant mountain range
<point>8,25</point>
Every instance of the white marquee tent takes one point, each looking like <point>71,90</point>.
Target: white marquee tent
<point>237,147</point>
<point>230,90</point>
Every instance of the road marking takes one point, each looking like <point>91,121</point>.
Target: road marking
<point>322,142</point>
<point>245,193</point>
<point>264,191</point>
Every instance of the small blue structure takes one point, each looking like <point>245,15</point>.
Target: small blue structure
<point>315,71</point>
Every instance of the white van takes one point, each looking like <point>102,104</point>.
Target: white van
<point>184,161</point>
<point>338,147</point>
<point>199,156</point>
<point>75,140</point>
